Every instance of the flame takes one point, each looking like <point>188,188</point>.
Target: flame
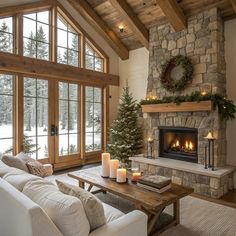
<point>187,145</point>
<point>177,143</point>
<point>190,145</point>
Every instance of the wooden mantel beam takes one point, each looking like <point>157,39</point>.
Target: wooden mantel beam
<point>173,13</point>
<point>133,21</point>
<point>12,63</point>
<point>233,3</point>
<point>100,26</point>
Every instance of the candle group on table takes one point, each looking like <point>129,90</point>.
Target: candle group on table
<point>110,168</point>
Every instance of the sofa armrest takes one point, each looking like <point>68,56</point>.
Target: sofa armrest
<point>133,223</point>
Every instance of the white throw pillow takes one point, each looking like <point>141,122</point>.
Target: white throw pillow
<point>12,161</point>
<point>65,211</point>
<point>92,205</point>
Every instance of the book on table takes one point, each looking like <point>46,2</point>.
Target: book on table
<point>155,183</point>
<point>157,190</point>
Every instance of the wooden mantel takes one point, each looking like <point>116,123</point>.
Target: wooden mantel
<point>183,107</point>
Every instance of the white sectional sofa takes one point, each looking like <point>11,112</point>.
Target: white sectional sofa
<point>20,216</point>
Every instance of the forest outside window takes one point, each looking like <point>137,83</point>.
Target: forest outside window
<point>36,31</point>
<point>6,113</point>
<point>6,34</point>
<point>93,122</point>
<point>93,61</point>
<point>68,43</point>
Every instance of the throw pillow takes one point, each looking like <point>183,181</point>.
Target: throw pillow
<point>36,168</point>
<point>92,205</point>
<point>14,162</point>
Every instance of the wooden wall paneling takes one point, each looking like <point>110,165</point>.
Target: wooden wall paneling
<point>173,13</point>
<point>87,11</point>
<point>31,66</point>
<point>233,3</point>
<point>133,21</point>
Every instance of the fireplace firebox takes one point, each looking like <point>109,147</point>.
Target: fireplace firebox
<point>178,143</point>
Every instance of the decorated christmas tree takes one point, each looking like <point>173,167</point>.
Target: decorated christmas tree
<point>125,134</point>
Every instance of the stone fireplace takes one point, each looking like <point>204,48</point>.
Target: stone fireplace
<point>178,143</point>
<point>203,43</point>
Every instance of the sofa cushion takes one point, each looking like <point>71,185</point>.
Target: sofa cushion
<point>65,211</point>
<point>92,205</point>
<point>5,169</point>
<point>19,180</point>
<point>21,216</point>
<point>24,157</point>
<point>111,213</point>
<point>14,162</point>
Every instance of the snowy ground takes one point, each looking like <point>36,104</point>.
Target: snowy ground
<point>42,140</point>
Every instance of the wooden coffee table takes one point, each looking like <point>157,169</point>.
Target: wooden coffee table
<point>147,201</point>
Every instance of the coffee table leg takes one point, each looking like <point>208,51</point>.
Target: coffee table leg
<point>81,184</point>
<point>177,211</point>
<point>153,221</point>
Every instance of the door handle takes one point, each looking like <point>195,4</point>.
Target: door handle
<point>54,130</point>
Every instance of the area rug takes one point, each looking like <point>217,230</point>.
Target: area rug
<point>197,217</point>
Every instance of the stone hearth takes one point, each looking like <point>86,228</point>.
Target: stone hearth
<point>204,181</point>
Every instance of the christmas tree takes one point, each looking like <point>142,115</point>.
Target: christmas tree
<point>125,134</point>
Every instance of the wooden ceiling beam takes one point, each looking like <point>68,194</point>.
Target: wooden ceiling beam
<point>12,63</point>
<point>133,21</point>
<point>233,3</point>
<point>173,13</point>
<point>101,27</point>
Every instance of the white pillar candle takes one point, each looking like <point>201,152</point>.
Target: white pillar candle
<point>105,164</point>
<point>121,176</point>
<point>114,165</point>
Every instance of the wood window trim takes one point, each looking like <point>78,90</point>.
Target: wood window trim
<point>52,6</point>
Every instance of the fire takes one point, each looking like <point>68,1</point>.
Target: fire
<point>177,143</point>
<point>189,145</point>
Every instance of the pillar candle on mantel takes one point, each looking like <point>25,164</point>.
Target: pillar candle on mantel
<point>105,164</point>
<point>121,175</point>
<point>114,165</point>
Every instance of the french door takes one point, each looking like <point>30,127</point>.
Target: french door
<point>67,125</point>
<point>55,121</point>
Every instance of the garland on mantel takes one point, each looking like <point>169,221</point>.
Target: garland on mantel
<point>226,107</point>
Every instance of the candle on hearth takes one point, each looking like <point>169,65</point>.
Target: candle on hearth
<point>105,164</point>
<point>121,175</point>
<point>114,165</point>
<point>136,176</point>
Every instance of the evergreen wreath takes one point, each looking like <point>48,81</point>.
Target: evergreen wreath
<point>171,84</point>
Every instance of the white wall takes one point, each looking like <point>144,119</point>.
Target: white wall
<point>230,56</point>
<point>135,72</point>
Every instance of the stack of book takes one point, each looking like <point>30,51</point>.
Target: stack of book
<point>155,183</point>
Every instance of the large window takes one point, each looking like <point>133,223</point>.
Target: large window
<point>6,113</point>
<point>68,118</point>
<point>36,30</point>
<point>6,34</point>
<point>36,117</point>
<point>93,61</point>
<point>68,43</point>
<point>93,109</point>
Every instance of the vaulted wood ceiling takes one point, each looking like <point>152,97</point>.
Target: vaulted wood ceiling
<point>137,16</point>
